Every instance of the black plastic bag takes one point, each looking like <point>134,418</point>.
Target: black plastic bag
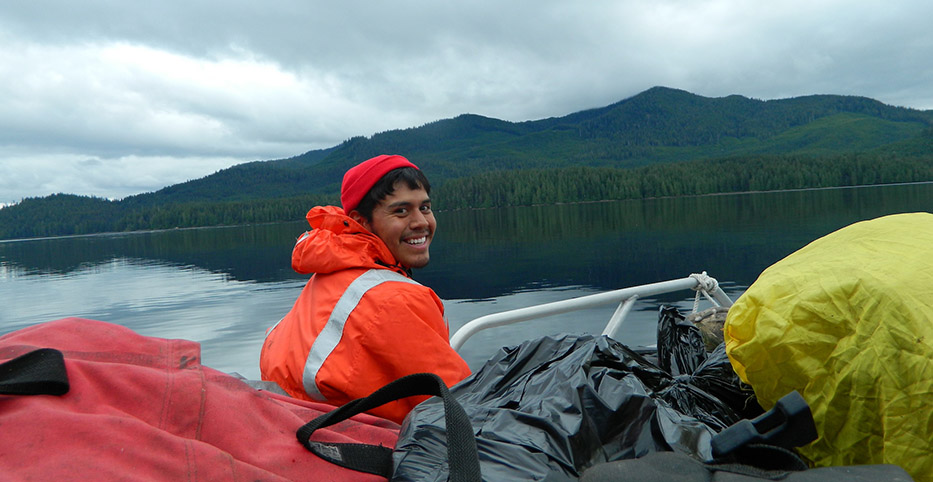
<point>680,345</point>
<point>682,353</point>
<point>552,407</point>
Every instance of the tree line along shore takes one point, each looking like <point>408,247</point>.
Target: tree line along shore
<point>64,214</point>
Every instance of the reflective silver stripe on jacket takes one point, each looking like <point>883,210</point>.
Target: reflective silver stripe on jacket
<point>330,336</point>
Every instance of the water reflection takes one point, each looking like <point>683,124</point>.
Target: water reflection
<point>257,253</point>
<point>482,254</point>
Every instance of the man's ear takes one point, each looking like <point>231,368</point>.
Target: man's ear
<point>356,216</point>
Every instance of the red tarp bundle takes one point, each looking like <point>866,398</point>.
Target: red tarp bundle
<point>145,408</point>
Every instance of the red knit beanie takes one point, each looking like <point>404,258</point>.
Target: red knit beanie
<point>361,178</point>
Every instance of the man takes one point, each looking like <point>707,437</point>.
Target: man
<point>361,321</point>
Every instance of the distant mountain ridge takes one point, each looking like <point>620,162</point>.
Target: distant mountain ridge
<point>658,127</point>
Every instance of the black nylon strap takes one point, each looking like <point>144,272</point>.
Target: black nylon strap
<point>39,372</point>
<point>462,456</point>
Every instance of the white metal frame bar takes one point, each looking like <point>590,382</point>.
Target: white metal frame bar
<point>625,297</point>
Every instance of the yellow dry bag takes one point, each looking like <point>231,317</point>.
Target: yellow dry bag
<point>847,321</point>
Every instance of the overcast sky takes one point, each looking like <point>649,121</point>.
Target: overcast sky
<point>111,98</point>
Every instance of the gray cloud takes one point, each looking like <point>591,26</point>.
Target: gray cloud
<point>163,92</point>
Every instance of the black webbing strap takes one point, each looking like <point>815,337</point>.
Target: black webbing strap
<point>39,372</point>
<point>462,457</point>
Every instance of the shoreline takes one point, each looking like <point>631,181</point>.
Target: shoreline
<point>220,226</point>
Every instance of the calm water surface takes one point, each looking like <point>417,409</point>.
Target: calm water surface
<point>224,286</point>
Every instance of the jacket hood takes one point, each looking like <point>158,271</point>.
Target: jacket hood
<point>337,242</point>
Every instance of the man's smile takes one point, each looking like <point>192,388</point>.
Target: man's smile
<point>417,241</point>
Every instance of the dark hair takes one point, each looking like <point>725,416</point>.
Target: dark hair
<point>414,178</point>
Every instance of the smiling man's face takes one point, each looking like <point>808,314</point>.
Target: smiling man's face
<point>405,223</point>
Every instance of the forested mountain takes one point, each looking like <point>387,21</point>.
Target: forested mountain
<point>660,142</point>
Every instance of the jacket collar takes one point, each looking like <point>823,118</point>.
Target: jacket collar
<point>342,243</point>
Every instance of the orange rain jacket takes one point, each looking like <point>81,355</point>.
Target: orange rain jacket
<point>359,323</point>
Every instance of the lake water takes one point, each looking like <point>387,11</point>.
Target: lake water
<point>223,287</point>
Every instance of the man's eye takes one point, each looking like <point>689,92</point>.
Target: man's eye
<point>425,208</point>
